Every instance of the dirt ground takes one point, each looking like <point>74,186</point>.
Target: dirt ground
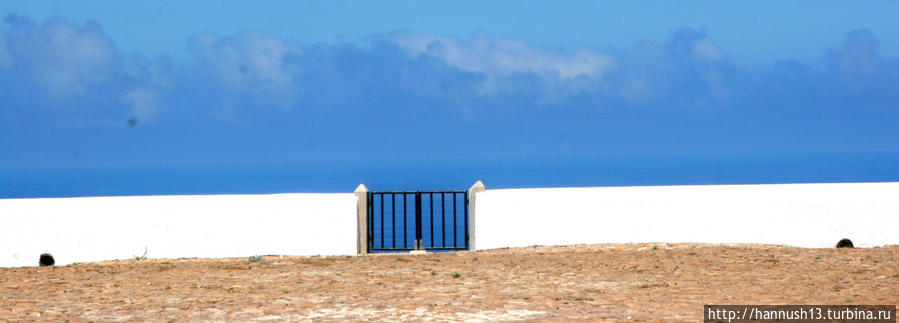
<point>620,282</point>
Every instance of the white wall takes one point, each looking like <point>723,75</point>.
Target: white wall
<point>211,226</point>
<point>100,228</point>
<point>803,215</point>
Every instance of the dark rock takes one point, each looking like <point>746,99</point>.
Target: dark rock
<point>845,243</point>
<point>46,260</point>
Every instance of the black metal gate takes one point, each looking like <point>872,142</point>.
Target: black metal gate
<point>414,220</point>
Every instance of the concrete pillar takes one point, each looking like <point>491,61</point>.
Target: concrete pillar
<point>472,212</point>
<point>361,193</point>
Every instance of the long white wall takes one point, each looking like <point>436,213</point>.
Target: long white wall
<point>211,226</point>
<point>101,228</point>
<point>803,215</point>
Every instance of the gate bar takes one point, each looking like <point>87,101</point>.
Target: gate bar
<point>382,220</point>
<point>454,220</point>
<point>466,220</point>
<point>418,221</point>
<point>393,216</point>
<point>405,221</point>
<point>431,204</point>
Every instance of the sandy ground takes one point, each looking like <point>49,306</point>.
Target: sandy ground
<point>640,282</point>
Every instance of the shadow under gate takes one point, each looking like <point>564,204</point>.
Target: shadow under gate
<point>417,220</point>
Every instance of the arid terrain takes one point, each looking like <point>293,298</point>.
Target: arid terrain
<point>609,282</point>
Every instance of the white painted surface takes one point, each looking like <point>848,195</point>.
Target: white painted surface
<point>803,215</point>
<point>101,228</point>
<point>213,226</point>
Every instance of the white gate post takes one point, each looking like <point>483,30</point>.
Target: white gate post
<point>361,193</point>
<point>472,193</point>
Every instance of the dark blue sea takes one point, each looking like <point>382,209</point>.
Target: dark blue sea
<point>460,173</point>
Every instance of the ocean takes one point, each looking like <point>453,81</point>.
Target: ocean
<point>419,173</point>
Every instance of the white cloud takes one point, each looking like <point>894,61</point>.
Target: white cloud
<point>144,104</point>
<point>77,71</point>
<point>856,60</point>
<point>705,49</point>
<point>249,62</point>
<point>64,58</point>
<point>498,58</point>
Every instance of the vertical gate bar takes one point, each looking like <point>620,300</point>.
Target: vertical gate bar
<point>393,218</point>
<point>431,205</point>
<point>443,218</point>
<point>405,206</point>
<point>406,222</point>
<point>466,220</point>
<point>418,221</point>
<point>454,221</point>
<point>417,215</point>
<point>370,216</point>
<point>382,220</point>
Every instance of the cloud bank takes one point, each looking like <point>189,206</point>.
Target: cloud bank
<point>65,84</point>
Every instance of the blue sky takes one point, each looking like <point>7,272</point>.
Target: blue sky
<point>91,91</point>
